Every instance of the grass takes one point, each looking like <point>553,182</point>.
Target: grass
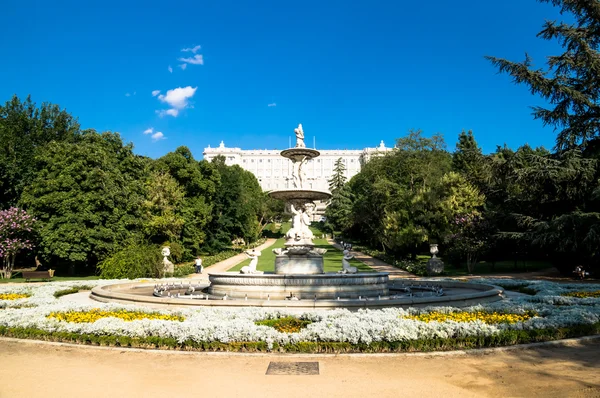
<point>332,260</point>
<point>501,267</point>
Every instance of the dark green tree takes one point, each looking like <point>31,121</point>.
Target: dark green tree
<point>338,179</point>
<point>469,161</point>
<point>24,129</point>
<point>570,81</point>
<point>87,197</point>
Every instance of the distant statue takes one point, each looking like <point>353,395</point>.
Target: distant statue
<point>300,223</point>
<point>251,268</point>
<point>346,267</point>
<point>299,137</point>
<point>168,266</point>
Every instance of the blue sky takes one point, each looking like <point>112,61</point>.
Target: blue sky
<point>353,73</point>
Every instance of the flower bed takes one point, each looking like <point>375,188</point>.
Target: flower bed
<point>545,316</point>
<point>94,314</point>
<point>13,296</point>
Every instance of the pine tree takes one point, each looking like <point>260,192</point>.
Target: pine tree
<point>570,81</point>
<point>470,162</point>
<point>338,179</point>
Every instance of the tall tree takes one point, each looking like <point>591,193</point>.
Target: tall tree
<point>24,129</point>
<point>570,82</point>
<point>338,179</point>
<point>468,160</point>
<point>87,197</point>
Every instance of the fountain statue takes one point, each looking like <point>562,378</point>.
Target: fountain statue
<point>251,268</point>
<point>346,267</point>
<point>168,266</point>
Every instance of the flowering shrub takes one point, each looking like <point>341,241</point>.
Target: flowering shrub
<point>581,294</point>
<point>465,316</point>
<point>94,314</point>
<point>15,228</point>
<point>13,296</point>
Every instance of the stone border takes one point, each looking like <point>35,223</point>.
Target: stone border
<point>485,294</point>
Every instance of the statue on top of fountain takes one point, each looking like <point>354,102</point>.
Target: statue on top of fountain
<point>299,136</point>
<point>300,222</point>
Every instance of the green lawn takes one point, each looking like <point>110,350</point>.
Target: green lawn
<point>501,267</point>
<point>332,260</point>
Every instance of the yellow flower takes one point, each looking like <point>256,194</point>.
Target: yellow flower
<point>94,314</point>
<point>582,294</point>
<point>463,316</point>
<point>13,296</point>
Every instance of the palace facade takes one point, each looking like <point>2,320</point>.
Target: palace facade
<point>274,171</point>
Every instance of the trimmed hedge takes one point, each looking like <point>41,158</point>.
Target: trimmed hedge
<point>505,338</point>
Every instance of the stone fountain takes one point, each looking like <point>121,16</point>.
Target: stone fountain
<point>299,266</point>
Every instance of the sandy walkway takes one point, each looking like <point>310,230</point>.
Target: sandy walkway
<point>31,369</point>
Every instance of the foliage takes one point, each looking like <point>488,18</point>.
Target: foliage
<point>338,179</point>
<point>164,196</point>
<point>87,197</point>
<point>237,207</point>
<point>24,130</point>
<point>15,235</point>
<point>72,290</point>
<point>469,239</point>
<point>133,261</point>
<point>94,314</point>
<point>570,80</point>
<point>288,324</point>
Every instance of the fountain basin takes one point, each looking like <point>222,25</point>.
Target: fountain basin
<point>456,294</point>
<point>320,286</point>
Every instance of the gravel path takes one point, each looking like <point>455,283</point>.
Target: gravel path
<point>33,369</point>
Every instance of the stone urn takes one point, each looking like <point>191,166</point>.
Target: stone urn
<point>435,266</point>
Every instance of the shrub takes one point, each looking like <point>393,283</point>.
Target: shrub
<point>285,325</point>
<point>177,251</point>
<point>134,261</point>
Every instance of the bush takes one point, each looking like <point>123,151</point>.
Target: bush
<point>134,261</point>
<point>183,270</point>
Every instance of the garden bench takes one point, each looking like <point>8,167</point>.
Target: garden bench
<point>47,275</point>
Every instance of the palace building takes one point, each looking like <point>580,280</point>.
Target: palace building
<point>274,171</point>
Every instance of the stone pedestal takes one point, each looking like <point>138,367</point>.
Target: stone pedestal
<point>302,264</point>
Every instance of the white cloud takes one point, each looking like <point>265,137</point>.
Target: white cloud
<point>178,98</point>
<point>158,136</point>
<point>271,104</point>
<point>192,49</point>
<point>196,60</point>
<point>127,95</point>
<point>170,69</point>
<point>155,92</point>
<point>183,66</point>
<point>149,131</point>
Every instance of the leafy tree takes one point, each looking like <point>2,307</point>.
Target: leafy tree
<point>469,240</point>
<point>15,235</point>
<point>87,197</point>
<point>24,129</point>
<point>163,199</point>
<point>570,82</point>
<point>198,181</point>
<point>237,206</point>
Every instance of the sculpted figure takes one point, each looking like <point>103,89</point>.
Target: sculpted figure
<point>299,137</point>
<point>346,267</point>
<point>168,266</point>
<point>251,268</point>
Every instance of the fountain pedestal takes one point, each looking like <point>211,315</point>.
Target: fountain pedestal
<point>306,264</point>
